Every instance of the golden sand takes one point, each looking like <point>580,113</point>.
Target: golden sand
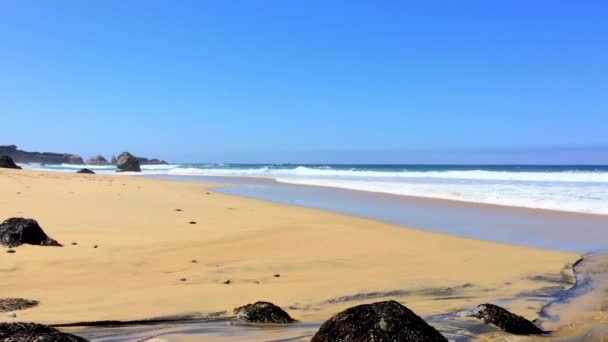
<point>145,247</point>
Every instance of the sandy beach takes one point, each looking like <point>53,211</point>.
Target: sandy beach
<point>326,261</point>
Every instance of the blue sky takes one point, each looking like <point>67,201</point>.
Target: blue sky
<point>308,81</point>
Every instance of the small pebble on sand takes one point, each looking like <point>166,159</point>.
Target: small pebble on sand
<point>183,279</point>
<point>10,251</point>
<point>227,282</point>
<point>95,246</point>
<point>277,275</point>
<point>178,210</point>
<point>192,222</point>
<point>12,314</point>
<point>194,261</point>
<point>74,243</point>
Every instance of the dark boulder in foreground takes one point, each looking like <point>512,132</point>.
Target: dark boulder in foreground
<point>97,160</point>
<point>13,304</point>
<point>262,312</point>
<point>378,322</point>
<point>33,332</point>
<point>505,320</point>
<point>127,162</point>
<point>7,162</point>
<point>86,171</point>
<point>16,231</point>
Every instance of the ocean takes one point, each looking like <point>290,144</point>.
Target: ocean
<point>573,188</point>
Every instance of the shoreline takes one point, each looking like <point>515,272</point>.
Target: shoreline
<point>321,256</point>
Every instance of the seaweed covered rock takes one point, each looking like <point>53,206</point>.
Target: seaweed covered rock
<point>7,162</point>
<point>262,312</point>
<point>127,162</point>
<point>13,304</point>
<point>386,321</point>
<point>33,332</point>
<point>87,171</point>
<point>17,231</point>
<point>505,320</point>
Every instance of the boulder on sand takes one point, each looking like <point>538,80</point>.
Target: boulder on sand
<point>85,171</point>
<point>97,160</point>
<point>17,230</point>
<point>7,162</point>
<point>505,320</point>
<point>378,322</point>
<point>262,312</point>
<point>33,332</point>
<point>127,162</point>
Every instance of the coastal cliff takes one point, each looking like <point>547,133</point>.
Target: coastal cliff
<point>20,156</point>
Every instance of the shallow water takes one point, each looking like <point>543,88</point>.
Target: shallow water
<point>564,231</point>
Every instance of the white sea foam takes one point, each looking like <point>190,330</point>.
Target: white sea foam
<point>577,191</point>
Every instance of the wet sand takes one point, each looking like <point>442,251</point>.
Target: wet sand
<point>326,261</point>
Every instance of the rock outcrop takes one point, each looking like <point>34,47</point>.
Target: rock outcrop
<point>378,322</point>
<point>33,332</point>
<point>114,160</point>
<point>17,231</point>
<point>13,304</point>
<point>262,312</point>
<point>505,320</point>
<point>86,171</point>
<point>146,161</point>
<point>7,162</point>
<point>20,156</point>
<point>97,160</point>
<point>127,162</point>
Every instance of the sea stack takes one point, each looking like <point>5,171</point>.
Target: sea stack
<point>97,160</point>
<point>126,162</point>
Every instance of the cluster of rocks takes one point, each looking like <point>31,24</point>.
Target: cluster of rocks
<point>10,155</point>
<point>383,322</point>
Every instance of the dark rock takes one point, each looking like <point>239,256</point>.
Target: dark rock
<point>97,160</point>
<point>194,261</point>
<point>86,171</point>
<point>17,231</point>
<point>178,210</point>
<point>262,312</point>
<point>505,320</point>
<point>127,162</point>
<point>33,332</point>
<point>378,322</point>
<point>114,160</point>
<point>277,275</point>
<point>20,156</point>
<point>12,304</point>
<point>227,282</point>
<point>183,279</point>
<point>7,162</point>
<point>146,161</point>
<point>74,243</point>
<point>10,251</point>
<point>192,222</point>
<point>95,246</point>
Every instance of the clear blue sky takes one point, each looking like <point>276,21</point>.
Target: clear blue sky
<point>308,81</point>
